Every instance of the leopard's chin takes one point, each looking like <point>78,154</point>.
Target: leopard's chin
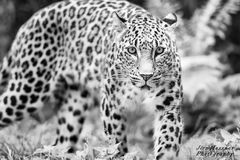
<point>145,87</point>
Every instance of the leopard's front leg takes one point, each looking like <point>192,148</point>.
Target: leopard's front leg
<point>114,120</point>
<point>168,123</point>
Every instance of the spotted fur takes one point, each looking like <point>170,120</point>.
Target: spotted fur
<point>78,53</point>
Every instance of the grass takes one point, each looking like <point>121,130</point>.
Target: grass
<point>29,140</point>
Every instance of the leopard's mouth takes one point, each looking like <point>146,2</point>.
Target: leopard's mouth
<point>144,86</point>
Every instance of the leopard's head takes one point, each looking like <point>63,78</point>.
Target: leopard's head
<point>145,49</point>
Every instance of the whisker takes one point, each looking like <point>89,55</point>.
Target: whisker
<point>119,78</point>
<point>134,80</point>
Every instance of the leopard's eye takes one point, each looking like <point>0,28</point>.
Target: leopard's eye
<point>159,51</point>
<point>132,50</point>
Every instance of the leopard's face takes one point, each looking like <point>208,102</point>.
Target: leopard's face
<point>146,53</point>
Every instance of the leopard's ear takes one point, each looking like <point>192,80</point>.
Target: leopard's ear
<point>119,23</point>
<point>170,19</point>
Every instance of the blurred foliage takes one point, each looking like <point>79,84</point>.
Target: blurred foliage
<point>24,9</point>
<point>208,41</point>
<point>7,16</point>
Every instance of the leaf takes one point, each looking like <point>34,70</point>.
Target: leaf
<point>57,151</point>
<point>226,138</point>
<point>200,72</point>
<point>136,153</point>
<point>231,85</point>
<point>161,8</point>
<point>106,152</point>
<point>87,153</point>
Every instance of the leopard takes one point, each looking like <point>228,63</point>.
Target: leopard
<point>77,54</point>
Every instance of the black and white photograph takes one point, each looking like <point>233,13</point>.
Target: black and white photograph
<point>119,79</point>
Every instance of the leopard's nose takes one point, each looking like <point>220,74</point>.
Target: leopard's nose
<point>146,77</point>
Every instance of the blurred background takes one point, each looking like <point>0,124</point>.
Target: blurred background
<point>208,38</point>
